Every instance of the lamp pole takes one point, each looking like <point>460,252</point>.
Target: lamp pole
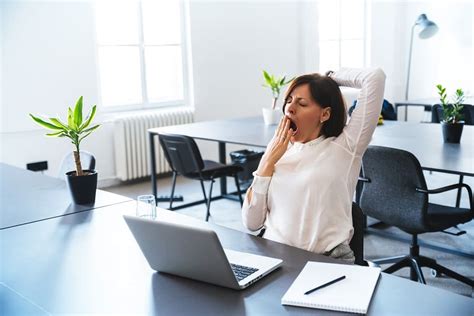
<point>409,62</point>
<point>428,29</point>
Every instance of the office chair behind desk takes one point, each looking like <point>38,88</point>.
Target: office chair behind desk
<point>395,192</point>
<point>185,159</point>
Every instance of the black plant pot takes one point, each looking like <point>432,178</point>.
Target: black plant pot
<point>452,132</point>
<point>82,188</point>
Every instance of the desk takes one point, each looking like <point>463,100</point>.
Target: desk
<point>90,263</point>
<point>427,103</point>
<point>27,197</point>
<point>424,140</point>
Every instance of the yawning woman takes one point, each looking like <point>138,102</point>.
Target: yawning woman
<point>304,185</point>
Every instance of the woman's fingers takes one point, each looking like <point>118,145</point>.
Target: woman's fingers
<point>282,127</point>
<point>288,135</point>
<point>284,133</point>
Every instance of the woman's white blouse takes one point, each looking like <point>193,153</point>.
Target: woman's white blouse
<point>307,201</point>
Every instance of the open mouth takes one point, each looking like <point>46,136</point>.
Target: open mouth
<point>293,126</point>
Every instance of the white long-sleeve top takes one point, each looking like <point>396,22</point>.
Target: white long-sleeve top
<point>307,201</point>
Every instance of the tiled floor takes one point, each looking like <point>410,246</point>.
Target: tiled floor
<point>227,213</point>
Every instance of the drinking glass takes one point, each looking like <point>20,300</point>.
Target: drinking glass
<point>146,206</point>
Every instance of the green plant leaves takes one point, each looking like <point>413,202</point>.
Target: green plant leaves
<point>89,118</point>
<point>75,129</point>
<point>452,113</point>
<point>43,123</point>
<point>70,119</point>
<point>274,83</point>
<point>267,77</point>
<point>78,112</point>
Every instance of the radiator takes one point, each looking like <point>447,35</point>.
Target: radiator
<point>131,141</point>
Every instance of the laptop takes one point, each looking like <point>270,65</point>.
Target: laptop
<point>196,253</point>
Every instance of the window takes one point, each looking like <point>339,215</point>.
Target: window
<point>141,56</point>
<point>341,33</point>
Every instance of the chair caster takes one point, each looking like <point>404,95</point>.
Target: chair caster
<point>435,274</point>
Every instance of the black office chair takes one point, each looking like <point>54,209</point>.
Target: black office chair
<point>467,111</point>
<point>395,192</point>
<point>357,241</point>
<point>184,158</point>
<point>68,163</point>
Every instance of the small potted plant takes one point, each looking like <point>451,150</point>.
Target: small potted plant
<point>452,123</point>
<point>272,115</point>
<point>82,183</point>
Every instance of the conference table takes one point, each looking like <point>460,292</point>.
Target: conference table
<point>27,197</point>
<point>89,263</point>
<point>424,140</point>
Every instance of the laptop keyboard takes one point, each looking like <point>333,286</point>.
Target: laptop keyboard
<point>241,272</point>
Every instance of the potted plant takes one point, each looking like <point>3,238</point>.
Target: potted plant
<point>82,183</point>
<point>452,124</point>
<point>272,115</point>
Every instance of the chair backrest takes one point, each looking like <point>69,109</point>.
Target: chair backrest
<point>182,153</point>
<point>357,241</point>
<point>468,114</point>
<point>390,194</point>
<point>467,111</point>
<point>68,163</point>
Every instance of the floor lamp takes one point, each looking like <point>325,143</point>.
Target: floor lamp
<point>427,29</point>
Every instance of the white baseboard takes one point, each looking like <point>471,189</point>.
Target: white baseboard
<point>110,182</point>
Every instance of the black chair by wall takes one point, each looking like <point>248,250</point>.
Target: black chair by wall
<point>184,158</point>
<point>68,163</point>
<point>395,192</point>
<point>468,113</point>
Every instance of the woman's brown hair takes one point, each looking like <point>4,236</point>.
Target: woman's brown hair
<point>326,93</point>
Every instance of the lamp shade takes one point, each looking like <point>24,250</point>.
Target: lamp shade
<point>428,27</point>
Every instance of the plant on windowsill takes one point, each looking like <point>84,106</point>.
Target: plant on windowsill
<point>452,123</point>
<point>272,115</point>
<point>82,183</point>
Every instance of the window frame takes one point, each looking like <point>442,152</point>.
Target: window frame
<point>340,39</point>
<point>185,61</point>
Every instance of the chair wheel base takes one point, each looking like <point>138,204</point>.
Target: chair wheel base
<point>435,273</point>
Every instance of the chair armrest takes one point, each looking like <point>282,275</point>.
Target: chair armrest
<point>362,179</point>
<point>449,188</point>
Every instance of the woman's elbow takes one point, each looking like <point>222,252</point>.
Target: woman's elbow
<point>379,74</point>
<point>250,224</point>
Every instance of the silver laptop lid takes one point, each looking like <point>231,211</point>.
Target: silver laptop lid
<point>184,250</point>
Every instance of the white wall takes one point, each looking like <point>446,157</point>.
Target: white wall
<point>446,58</point>
<point>48,59</point>
<point>233,42</point>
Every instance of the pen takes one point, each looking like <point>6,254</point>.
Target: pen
<point>325,284</point>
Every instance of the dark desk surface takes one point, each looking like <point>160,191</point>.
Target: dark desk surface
<point>424,140</point>
<point>89,263</point>
<point>27,197</point>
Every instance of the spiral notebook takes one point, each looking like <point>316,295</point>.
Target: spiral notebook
<point>351,294</point>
